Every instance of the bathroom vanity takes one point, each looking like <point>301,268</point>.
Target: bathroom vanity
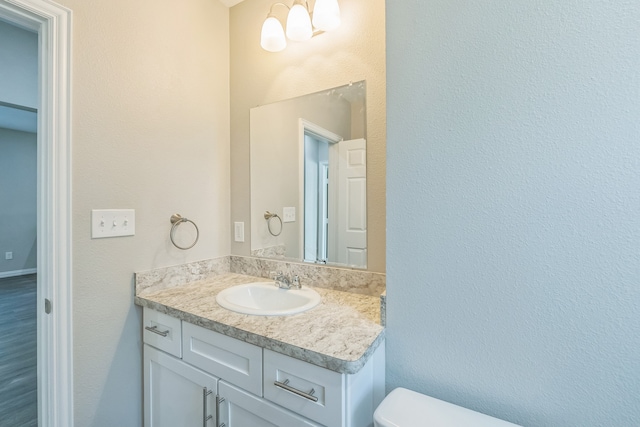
<point>206,365</point>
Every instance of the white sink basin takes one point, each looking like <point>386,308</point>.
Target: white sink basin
<point>266,299</point>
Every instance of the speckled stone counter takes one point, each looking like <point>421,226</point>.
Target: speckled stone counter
<point>340,334</point>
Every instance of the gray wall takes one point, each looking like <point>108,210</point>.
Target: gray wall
<point>514,207</point>
<point>18,155</point>
<point>18,66</point>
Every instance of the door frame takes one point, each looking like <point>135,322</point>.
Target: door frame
<point>52,22</point>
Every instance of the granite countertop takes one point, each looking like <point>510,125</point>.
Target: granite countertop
<point>340,334</point>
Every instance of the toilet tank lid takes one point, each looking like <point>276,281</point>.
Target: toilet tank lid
<point>406,408</point>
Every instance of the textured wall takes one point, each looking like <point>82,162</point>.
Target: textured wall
<point>18,66</point>
<point>17,199</point>
<point>356,51</point>
<point>514,207</point>
<point>150,132</point>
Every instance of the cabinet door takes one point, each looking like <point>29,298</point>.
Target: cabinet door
<point>176,394</point>
<point>242,409</point>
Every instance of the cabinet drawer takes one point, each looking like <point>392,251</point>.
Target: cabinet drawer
<point>283,375</point>
<point>162,332</point>
<point>230,359</point>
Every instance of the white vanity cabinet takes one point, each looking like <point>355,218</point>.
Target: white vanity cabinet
<point>251,386</point>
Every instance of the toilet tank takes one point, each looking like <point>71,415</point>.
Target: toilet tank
<point>406,408</point>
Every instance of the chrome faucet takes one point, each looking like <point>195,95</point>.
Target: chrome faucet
<point>284,282</point>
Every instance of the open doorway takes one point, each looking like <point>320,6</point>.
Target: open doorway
<point>316,198</point>
<point>52,24</point>
<point>18,226</point>
<point>319,148</point>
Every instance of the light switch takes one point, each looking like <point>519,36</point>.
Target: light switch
<point>289,214</point>
<point>113,223</point>
<point>238,228</point>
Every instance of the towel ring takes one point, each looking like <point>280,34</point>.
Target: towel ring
<point>177,219</point>
<point>269,216</point>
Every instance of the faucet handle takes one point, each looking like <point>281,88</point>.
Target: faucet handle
<point>282,281</point>
<point>296,282</point>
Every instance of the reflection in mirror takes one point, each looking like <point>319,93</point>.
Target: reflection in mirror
<point>308,167</point>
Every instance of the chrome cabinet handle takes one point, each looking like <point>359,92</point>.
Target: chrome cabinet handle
<point>219,400</point>
<point>284,385</point>
<point>155,330</point>
<point>205,417</point>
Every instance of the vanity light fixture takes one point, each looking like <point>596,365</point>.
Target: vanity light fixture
<point>302,24</point>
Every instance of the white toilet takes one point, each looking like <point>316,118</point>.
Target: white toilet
<point>406,408</point>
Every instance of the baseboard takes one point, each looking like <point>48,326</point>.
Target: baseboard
<point>4,274</point>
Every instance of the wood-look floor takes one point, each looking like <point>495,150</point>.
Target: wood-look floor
<point>18,362</point>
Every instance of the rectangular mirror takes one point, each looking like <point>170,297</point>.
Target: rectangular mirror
<point>309,176</point>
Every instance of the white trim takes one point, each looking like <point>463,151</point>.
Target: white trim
<point>55,338</point>
<point>15,273</point>
<point>319,131</point>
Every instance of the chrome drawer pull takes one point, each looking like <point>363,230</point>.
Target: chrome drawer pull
<point>205,416</point>
<point>284,385</point>
<point>219,400</point>
<point>155,330</point>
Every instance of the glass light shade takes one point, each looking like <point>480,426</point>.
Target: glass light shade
<point>326,15</point>
<point>299,24</point>
<point>272,36</point>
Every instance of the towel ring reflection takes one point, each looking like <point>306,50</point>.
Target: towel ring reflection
<point>269,216</point>
<point>177,219</point>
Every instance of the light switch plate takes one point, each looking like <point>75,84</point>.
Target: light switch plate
<point>238,228</point>
<point>112,223</point>
<point>288,214</point>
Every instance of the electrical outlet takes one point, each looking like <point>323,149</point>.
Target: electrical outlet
<point>112,223</point>
<point>289,214</point>
<point>238,228</point>
<point>8,255</point>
